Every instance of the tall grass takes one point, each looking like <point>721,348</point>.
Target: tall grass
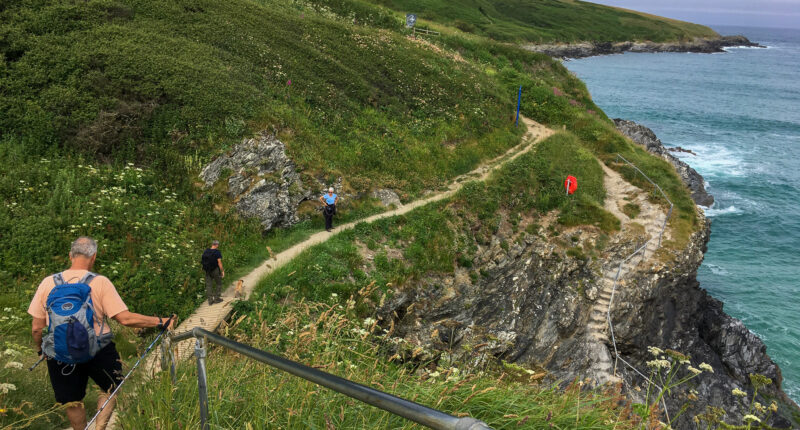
<point>332,337</point>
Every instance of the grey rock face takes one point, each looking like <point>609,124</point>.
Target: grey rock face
<point>531,304</point>
<point>645,137</point>
<point>589,49</point>
<point>263,181</point>
<point>387,197</point>
<point>681,316</point>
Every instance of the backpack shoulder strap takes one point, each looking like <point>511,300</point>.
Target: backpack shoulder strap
<point>58,279</point>
<point>87,278</point>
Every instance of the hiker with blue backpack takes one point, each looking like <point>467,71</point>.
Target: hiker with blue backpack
<point>75,306</point>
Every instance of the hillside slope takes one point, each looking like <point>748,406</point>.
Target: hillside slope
<point>542,21</point>
<point>111,108</point>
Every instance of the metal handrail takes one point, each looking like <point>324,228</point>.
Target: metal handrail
<point>407,409</point>
<point>639,249</point>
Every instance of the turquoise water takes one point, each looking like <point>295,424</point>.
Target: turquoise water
<point>740,112</point>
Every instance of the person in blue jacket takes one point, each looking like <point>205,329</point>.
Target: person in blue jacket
<point>329,200</point>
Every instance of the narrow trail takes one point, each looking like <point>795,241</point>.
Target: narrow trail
<point>619,193</point>
<point>648,222</point>
<point>210,317</point>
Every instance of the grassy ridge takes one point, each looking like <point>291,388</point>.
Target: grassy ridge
<point>299,311</point>
<point>89,87</point>
<point>144,81</point>
<point>434,238</point>
<point>549,20</point>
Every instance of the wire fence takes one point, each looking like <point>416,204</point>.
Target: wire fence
<point>639,250</point>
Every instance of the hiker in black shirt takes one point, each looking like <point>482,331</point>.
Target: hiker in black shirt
<point>212,265</point>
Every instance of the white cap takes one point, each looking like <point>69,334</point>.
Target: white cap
<point>330,189</point>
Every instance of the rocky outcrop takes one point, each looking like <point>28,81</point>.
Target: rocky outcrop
<point>530,303</point>
<point>261,180</point>
<point>682,316</point>
<point>386,197</point>
<point>589,49</point>
<point>645,137</point>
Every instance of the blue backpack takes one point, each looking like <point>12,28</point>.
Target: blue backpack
<point>70,336</point>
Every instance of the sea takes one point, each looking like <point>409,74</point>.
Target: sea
<point>739,111</point>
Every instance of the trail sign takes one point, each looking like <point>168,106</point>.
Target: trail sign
<point>411,19</point>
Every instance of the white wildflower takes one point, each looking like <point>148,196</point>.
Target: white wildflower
<point>750,417</point>
<point>659,364</point>
<point>707,367</point>
<point>6,387</point>
<point>368,322</point>
<point>10,351</point>
<point>695,370</point>
<point>655,351</point>
<point>13,365</point>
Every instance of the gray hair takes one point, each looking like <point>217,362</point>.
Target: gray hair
<point>214,243</point>
<point>83,245</point>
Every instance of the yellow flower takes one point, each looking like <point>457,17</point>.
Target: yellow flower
<point>707,367</point>
<point>738,392</point>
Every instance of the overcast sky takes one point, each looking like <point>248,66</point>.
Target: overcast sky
<point>751,13</point>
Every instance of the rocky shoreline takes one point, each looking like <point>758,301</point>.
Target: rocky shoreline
<point>645,137</point>
<point>590,49</point>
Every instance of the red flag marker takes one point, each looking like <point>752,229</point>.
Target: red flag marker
<point>570,184</point>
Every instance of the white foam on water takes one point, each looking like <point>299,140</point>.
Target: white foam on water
<point>717,270</point>
<point>729,48</point>
<point>714,160</point>
<point>712,212</point>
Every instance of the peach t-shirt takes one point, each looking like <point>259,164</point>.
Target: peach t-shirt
<point>107,302</point>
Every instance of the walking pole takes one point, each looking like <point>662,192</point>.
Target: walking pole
<point>113,393</point>
<point>37,363</point>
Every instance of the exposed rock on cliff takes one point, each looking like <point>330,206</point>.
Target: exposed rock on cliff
<point>532,301</point>
<point>589,49</point>
<point>262,181</point>
<point>386,197</point>
<point>645,137</point>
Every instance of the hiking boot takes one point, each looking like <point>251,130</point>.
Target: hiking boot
<point>218,300</point>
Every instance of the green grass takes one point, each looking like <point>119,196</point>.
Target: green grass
<point>437,237</point>
<point>148,82</point>
<point>332,337</point>
<point>109,109</point>
<point>632,210</point>
<point>542,20</point>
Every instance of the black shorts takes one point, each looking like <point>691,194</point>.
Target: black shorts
<point>69,383</point>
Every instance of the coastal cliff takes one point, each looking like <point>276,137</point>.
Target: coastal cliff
<point>589,49</point>
<point>645,137</point>
<point>533,306</point>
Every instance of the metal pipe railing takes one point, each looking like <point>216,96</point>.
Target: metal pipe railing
<point>407,409</point>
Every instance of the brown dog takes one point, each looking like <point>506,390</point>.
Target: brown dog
<point>239,289</point>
